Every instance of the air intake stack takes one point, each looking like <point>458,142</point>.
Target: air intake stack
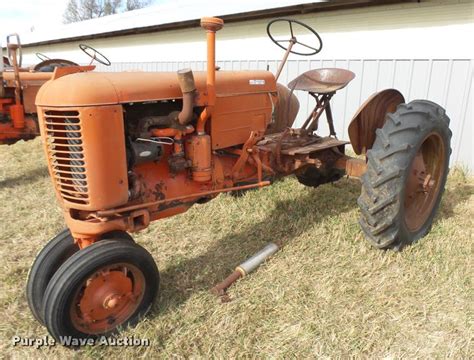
<point>199,146</point>
<point>211,25</point>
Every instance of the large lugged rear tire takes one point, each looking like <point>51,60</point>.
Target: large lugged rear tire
<point>406,174</point>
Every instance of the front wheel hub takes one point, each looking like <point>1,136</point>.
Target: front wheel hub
<point>108,298</point>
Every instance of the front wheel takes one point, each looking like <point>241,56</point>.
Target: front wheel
<point>107,285</point>
<point>46,263</point>
<point>406,174</point>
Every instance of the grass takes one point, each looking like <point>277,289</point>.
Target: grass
<point>325,294</point>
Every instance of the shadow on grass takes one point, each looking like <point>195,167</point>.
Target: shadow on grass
<point>453,197</point>
<point>24,179</point>
<point>289,219</point>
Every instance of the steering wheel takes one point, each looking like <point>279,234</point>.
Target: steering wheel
<point>92,53</point>
<point>293,41</point>
<point>42,57</point>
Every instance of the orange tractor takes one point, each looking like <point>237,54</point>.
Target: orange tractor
<point>125,149</point>
<point>19,87</point>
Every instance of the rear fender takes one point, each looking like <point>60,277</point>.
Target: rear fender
<point>372,116</point>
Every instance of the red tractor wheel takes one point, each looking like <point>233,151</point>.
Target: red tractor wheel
<point>406,174</point>
<point>107,285</point>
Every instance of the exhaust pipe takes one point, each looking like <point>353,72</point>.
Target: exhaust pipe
<point>188,88</point>
<point>184,117</point>
<point>244,269</point>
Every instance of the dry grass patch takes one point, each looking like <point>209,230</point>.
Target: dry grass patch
<point>326,293</point>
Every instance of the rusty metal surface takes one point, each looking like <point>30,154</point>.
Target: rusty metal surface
<point>188,88</point>
<point>298,145</point>
<point>353,167</point>
<point>322,81</point>
<point>324,143</point>
<point>424,180</point>
<point>220,289</point>
<point>322,104</point>
<point>371,116</point>
<point>286,110</point>
<point>50,64</point>
<point>105,213</point>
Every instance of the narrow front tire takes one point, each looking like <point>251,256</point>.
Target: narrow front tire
<point>106,286</point>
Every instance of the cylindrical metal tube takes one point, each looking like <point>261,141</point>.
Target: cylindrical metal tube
<point>220,288</point>
<point>243,269</point>
<point>12,48</point>
<point>16,111</point>
<point>211,25</point>
<point>186,83</point>
<point>253,262</point>
<point>198,150</point>
<point>26,76</point>
<point>186,80</point>
<point>211,66</point>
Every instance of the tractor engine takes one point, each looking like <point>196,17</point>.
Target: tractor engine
<point>139,137</point>
<point>127,148</point>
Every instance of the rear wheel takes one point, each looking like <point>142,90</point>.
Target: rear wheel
<point>406,174</point>
<point>107,285</point>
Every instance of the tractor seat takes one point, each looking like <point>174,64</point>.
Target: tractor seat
<point>322,81</point>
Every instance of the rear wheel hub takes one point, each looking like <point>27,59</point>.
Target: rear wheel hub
<point>423,181</point>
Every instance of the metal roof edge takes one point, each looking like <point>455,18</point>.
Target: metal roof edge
<point>244,16</point>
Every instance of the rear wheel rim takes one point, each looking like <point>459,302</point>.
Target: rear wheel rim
<point>107,298</point>
<point>423,183</point>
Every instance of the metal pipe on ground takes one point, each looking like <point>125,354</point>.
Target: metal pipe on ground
<point>244,269</point>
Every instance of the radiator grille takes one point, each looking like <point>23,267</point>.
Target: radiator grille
<point>64,144</point>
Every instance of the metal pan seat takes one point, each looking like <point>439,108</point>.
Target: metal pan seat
<point>322,81</point>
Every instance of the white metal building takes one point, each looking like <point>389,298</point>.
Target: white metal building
<point>423,48</point>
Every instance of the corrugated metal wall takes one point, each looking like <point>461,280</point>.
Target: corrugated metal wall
<point>447,82</point>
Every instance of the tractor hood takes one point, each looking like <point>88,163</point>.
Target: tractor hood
<point>93,88</point>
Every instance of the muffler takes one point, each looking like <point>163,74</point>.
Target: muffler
<point>244,269</point>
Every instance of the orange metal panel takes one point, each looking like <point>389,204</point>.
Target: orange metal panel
<point>115,88</point>
<point>29,96</point>
<point>86,152</point>
<point>232,123</point>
